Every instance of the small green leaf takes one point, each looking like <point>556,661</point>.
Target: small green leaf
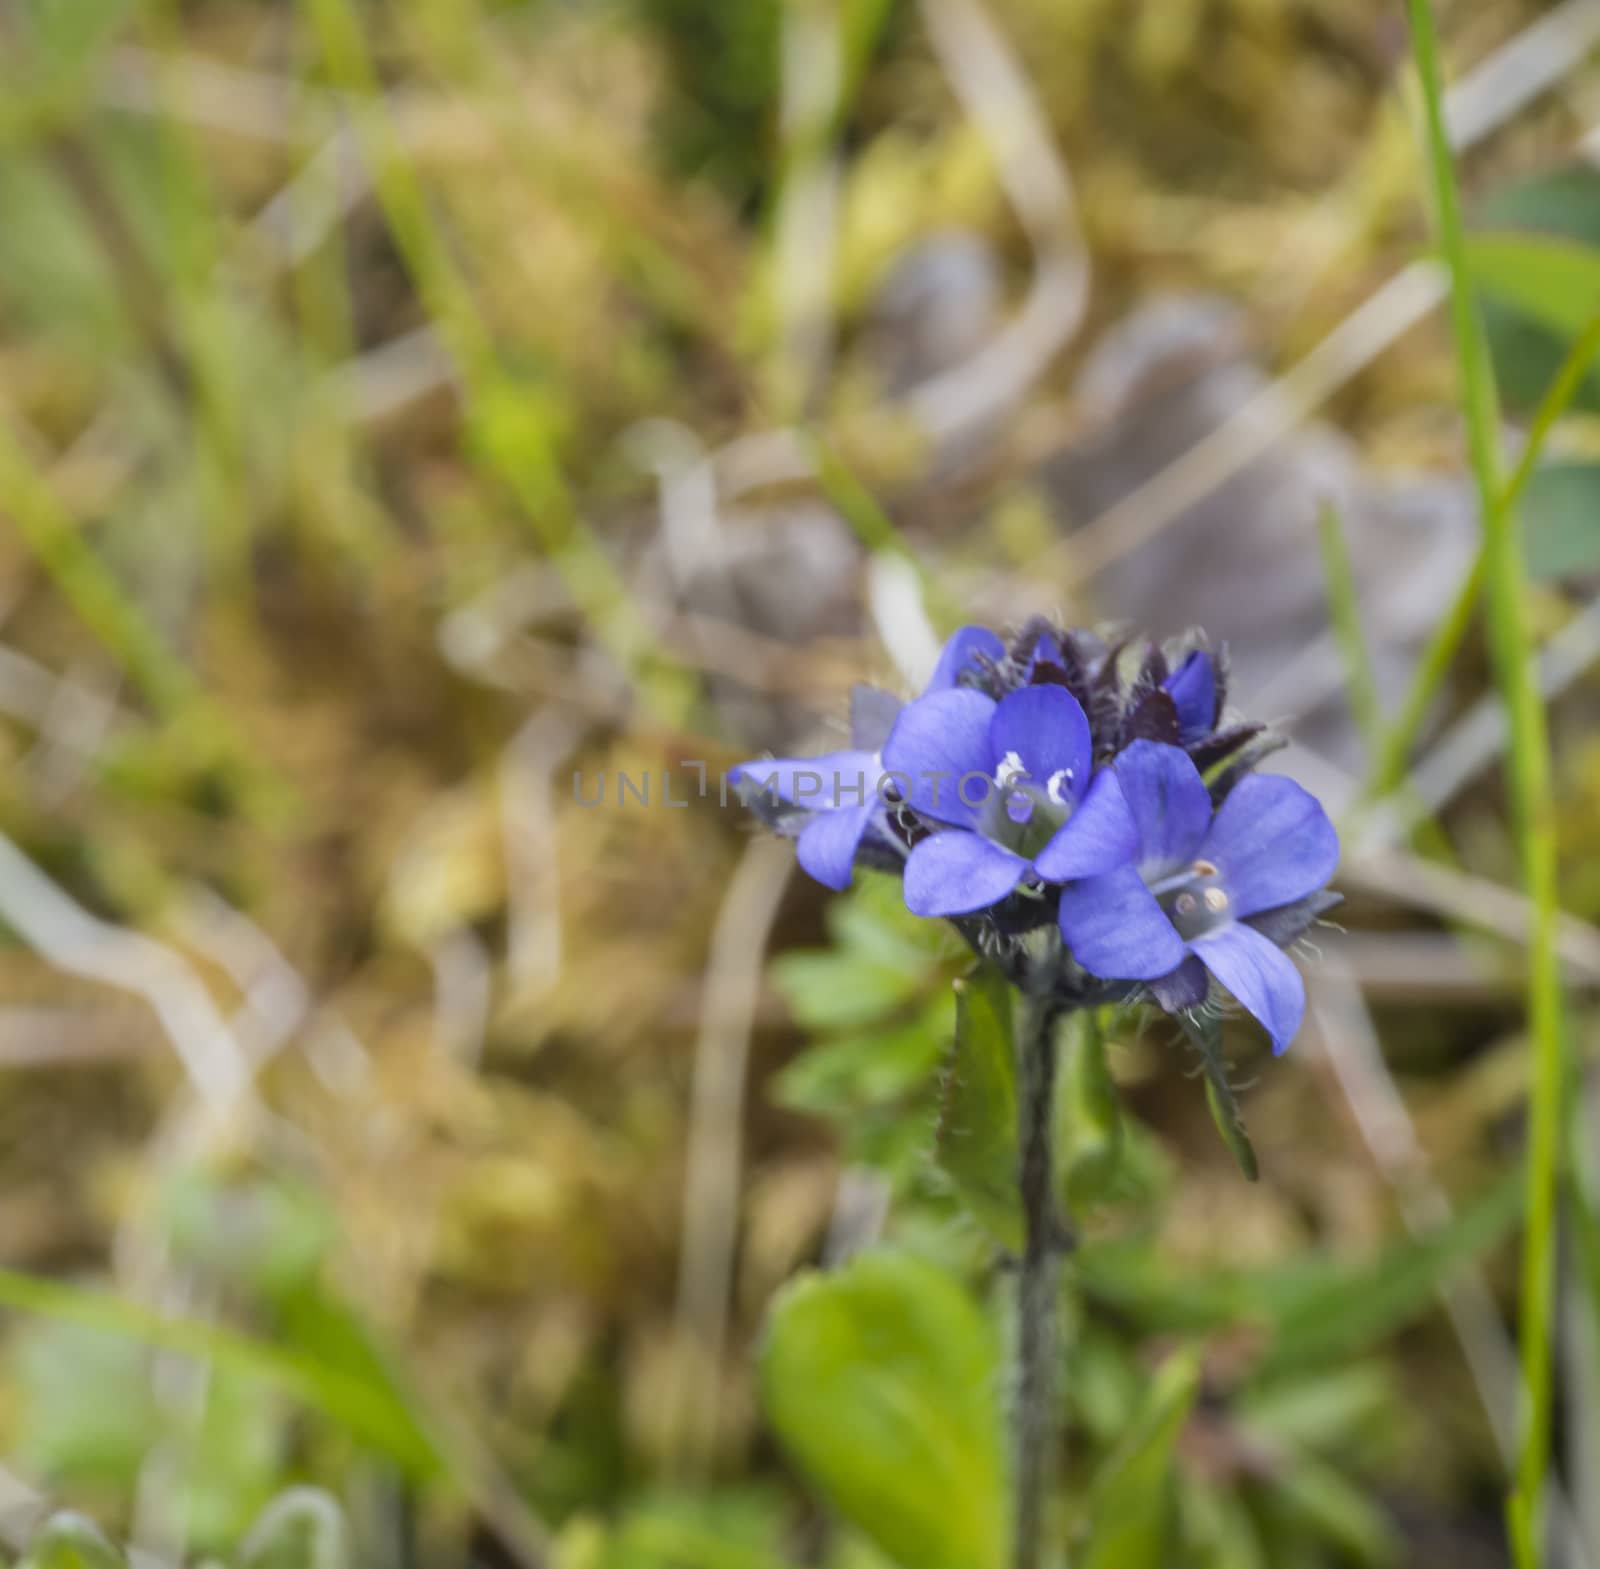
<point>1565,203</point>
<point>852,1073</point>
<point>1546,278</point>
<point>1132,1505</point>
<point>977,1133</point>
<point>1322,1501</point>
<point>830,989</point>
<point>1205,1035</point>
<point>300,1529</point>
<point>1321,1410</point>
<point>71,1541</point>
<point>882,1382</point>
<point>1328,1312</point>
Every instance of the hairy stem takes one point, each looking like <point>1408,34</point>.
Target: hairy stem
<point>1033,1408</point>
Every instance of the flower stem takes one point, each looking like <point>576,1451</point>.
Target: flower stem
<point>1033,1408</point>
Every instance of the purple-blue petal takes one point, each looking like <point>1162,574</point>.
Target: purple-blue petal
<point>938,742</point>
<point>1184,987</point>
<point>957,872</point>
<point>1099,836</point>
<point>957,656</point>
<point>828,844</point>
<point>819,784</point>
<point>1045,729</point>
<point>1047,651</point>
<point>1116,930</point>
<point>1260,975</point>
<point>1272,844</point>
<point>1169,803</point>
<point>1193,690</point>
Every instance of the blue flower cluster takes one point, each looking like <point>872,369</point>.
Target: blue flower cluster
<point>1066,779</point>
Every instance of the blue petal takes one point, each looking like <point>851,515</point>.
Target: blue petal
<point>820,784</point>
<point>937,743</point>
<point>957,656</point>
<point>828,844</point>
<point>1099,836</point>
<point>1193,690</point>
<point>1260,975</point>
<point>955,873</point>
<point>1185,987</point>
<point>1169,803</point>
<point>1046,730</point>
<point>1272,844</point>
<point>1116,930</point>
<point>1046,651</point>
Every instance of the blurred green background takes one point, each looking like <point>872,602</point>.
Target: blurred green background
<point>408,404</point>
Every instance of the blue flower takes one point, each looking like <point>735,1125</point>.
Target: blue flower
<point>1013,781</point>
<point>840,790</point>
<point>1193,690</point>
<point>1186,901</point>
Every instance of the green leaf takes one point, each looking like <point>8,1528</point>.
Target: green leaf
<point>736,1528</point>
<point>369,1408</point>
<point>1330,1407</point>
<point>1564,203</point>
<point>1131,1508</point>
<point>71,1541</point>
<point>882,1382</point>
<point>977,1134</point>
<point>1316,1308</point>
<point>1546,278</point>
<point>1205,1035</point>
<point>300,1529</point>
<point>1561,519</point>
<point>1327,1313</point>
<point>1321,1500</point>
<point>831,990</point>
<point>853,1073</point>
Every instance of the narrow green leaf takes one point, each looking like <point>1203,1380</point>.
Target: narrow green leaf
<point>1344,610</point>
<point>1546,278</point>
<point>1324,1502</point>
<point>977,1133</point>
<point>1204,1031</point>
<point>882,1382</point>
<point>1347,1310</point>
<point>1131,1510</point>
<point>1564,203</point>
<point>371,1411</point>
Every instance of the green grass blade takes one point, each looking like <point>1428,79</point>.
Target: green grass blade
<point>1528,770</point>
<point>1393,753</point>
<point>1399,736</point>
<point>1345,616</point>
<point>510,434</point>
<point>1563,389</point>
<point>176,698</point>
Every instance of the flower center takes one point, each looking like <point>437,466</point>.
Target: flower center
<point>1195,900</point>
<point>1022,813</point>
